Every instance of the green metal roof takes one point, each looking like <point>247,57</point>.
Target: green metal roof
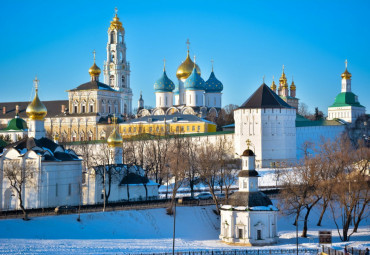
<point>301,121</point>
<point>16,124</point>
<point>346,99</point>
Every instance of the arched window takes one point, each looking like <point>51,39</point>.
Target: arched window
<point>111,80</point>
<point>112,37</point>
<point>112,55</point>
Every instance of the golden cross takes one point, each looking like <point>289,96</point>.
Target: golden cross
<point>188,43</point>
<point>346,62</point>
<point>248,143</point>
<point>194,60</point>
<point>94,55</point>
<point>36,82</point>
<point>292,78</point>
<point>273,78</point>
<point>116,10</point>
<point>212,64</point>
<point>283,68</point>
<point>164,64</point>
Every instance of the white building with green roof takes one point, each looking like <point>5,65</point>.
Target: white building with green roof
<point>346,105</point>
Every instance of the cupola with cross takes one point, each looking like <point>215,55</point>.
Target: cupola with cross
<point>116,67</point>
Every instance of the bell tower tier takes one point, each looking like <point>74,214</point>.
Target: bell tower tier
<point>116,67</point>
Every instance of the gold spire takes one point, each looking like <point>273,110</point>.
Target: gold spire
<point>283,80</point>
<point>273,85</point>
<point>36,110</point>
<point>186,67</point>
<point>94,70</point>
<point>292,86</point>
<point>212,64</point>
<point>346,75</point>
<point>115,139</point>
<point>164,65</point>
<point>116,24</point>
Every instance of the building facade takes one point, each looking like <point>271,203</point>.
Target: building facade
<point>346,105</point>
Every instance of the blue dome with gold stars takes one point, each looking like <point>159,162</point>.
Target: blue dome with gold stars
<point>213,85</point>
<point>194,81</point>
<point>164,84</point>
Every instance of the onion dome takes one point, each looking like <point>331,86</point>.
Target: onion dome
<point>292,86</point>
<point>212,84</point>
<point>116,24</point>
<point>36,110</point>
<point>194,81</point>
<point>164,84</point>
<point>17,124</point>
<point>346,75</point>
<point>283,80</point>
<point>94,70</point>
<point>273,85</point>
<point>115,139</point>
<point>186,68</point>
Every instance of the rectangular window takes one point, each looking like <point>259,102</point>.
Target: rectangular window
<point>193,128</point>
<point>75,109</point>
<point>69,189</point>
<point>240,232</point>
<point>56,189</point>
<point>259,234</point>
<point>91,108</point>
<point>108,109</point>
<point>83,109</point>
<point>198,128</point>
<point>187,128</point>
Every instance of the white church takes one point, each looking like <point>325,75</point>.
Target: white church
<point>38,170</point>
<point>249,218</point>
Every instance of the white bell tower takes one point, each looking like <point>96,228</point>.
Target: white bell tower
<point>116,67</point>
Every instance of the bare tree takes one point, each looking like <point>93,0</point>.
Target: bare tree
<point>209,168</point>
<point>177,165</point>
<point>21,176</point>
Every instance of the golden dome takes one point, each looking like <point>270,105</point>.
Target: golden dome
<point>186,67</point>
<point>36,110</point>
<point>273,85</point>
<point>283,80</point>
<point>346,75</point>
<point>292,86</point>
<point>115,139</point>
<point>94,70</point>
<point>116,24</point>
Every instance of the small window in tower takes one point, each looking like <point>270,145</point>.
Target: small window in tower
<point>83,109</point>
<point>91,108</point>
<point>112,37</point>
<point>75,110</point>
<point>123,82</point>
<point>111,80</point>
<point>240,233</point>
<point>108,109</point>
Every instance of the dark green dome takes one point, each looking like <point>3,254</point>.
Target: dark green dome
<point>346,99</point>
<point>17,123</point>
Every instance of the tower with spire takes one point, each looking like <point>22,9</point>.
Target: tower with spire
<point>346,105</point>
<point>36,112</point>
<point>116,67</point>
<point>140,102</point>
<point>115,144</point>
<point>287,95</point>
<point>249,217</point>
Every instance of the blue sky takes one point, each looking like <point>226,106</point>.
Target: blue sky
<point>246,39</point>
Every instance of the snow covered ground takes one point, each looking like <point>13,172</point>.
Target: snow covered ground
<point>144,231</point>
